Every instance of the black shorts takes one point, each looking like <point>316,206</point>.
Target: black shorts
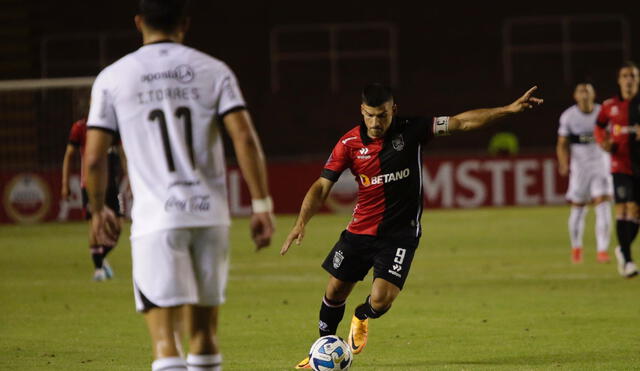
<point>626,188</point>
<point>112,201</point>
<point>354,254</point>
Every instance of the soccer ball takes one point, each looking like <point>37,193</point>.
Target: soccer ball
<point>330,353</point>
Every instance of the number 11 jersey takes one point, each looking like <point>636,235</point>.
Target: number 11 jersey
<point>166,101</point>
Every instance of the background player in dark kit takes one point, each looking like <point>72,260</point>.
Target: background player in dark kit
<point>615,133</point>
<point>117,165</point>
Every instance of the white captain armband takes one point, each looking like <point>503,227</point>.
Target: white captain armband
<point>441,126</point>
<point>263,205</point>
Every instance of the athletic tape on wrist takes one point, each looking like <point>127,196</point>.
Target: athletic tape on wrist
<point>263,205</point>
<point>441,126</point>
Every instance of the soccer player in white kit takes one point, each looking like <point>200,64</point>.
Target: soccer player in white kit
<point>590,179</point>
<point>166,101</point>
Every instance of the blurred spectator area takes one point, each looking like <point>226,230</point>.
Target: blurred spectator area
<point>441,60</point>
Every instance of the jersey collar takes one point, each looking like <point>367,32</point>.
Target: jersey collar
<point>364,137</point>
<point>164,41</point>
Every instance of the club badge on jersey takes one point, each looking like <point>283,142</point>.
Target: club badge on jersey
<point>398,142</point>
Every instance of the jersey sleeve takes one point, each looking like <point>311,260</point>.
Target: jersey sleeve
<point>102,114</point>
<point>231,98</point>
<point>422,128</point>
<point>337,163</point>
<point>563,128</point>
<point>75,136</point>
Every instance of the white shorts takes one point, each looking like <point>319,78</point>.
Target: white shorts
<point>180,266</point>
<point>584,186</point>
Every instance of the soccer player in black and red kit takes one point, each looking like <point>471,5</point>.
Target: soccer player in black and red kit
<point>617,132</point>
<point>384,153</point>
<point>116,162</point>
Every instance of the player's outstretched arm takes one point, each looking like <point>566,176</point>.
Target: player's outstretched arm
<point>66,171</point>
<point>562,152</point>
<point>105,226</point>
<point>478,118</point>
<point>254,170</point>
<point>314,199</point>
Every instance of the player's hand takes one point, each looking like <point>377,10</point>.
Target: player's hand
<point>563,169</point>
<point>296,234</point>
<point>607,144</point>
<point>262,228</point>
<point>105,227</point>
<point>526,102</point>
<point>636,130</point>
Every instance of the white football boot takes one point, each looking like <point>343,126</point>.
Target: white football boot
<point>99,275</point>
<point>108,272</point>
<point>626,269</point>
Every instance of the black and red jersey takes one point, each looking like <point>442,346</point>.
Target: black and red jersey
<point>78,134</point>
<point>613,120</point>
<point>78,139</point>
<point>634,143</point>
<point>389,175</point>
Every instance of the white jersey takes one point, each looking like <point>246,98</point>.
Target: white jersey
<point>166,101</point>
<point>586,155</point>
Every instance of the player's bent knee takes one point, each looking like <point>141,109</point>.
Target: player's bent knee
<point>380,308</point>
<point>381,300</point>
<point>380,303</point>
<point>338,290</point>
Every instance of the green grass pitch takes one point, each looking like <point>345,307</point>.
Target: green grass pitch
<point>489,289</point>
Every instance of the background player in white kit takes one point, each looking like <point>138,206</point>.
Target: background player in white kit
<point>165,100</point>
<point>590,179</point>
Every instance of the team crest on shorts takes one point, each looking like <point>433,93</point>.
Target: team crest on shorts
<point>337,259</point>
<point>398,142</point>
<point>622,192</point>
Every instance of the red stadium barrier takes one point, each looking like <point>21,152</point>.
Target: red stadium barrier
<point>448,183</point>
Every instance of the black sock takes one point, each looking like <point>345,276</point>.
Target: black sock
<point>633,231</point>
<point>364,310</point>
<point>331,314</point>
<point>624,230</point>
<point>106,250</point>
<point>96,256</point>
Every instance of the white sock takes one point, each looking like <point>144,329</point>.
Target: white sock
<point>169,364</point>
<point>603,225</point>
<point>204,362</point>
<point>576,225</point>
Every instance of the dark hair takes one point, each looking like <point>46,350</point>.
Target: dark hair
<point>163,15</point>
<point>582,82</point>
<point>628,64</point>
<point>374,95</point>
